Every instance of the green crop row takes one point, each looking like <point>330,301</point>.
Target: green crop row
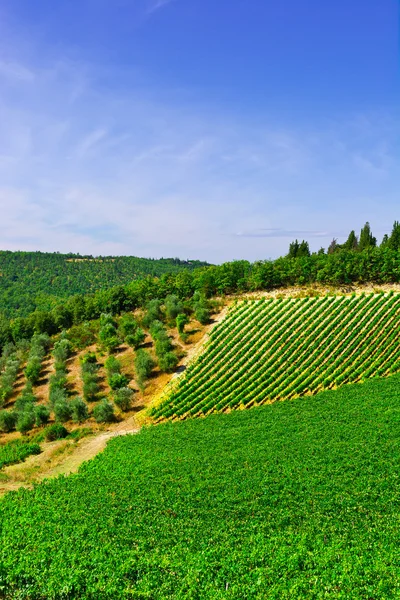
<point>269,350</point>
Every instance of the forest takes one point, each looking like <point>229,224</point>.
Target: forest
<point>37,280</point>
<point>343,266</point>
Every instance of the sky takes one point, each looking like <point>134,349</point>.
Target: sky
<point>203,129</point>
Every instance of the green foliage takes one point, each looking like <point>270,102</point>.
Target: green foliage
<point>90,387</point>
<point>37,280</point>
<point>167,359</point>
<point>136,339</point>
<point>25,420</point>
<point>298,250</point>
<point>290,501</point>
<point>104,412</point>
<point>83,335</point>
<point>79,410</point>
<point>173,306</point>
<point>181,321</point>
<point>168,362</point>
<point>112,365</point>
<point>144,364</point>
<point>62,411</point>
<point>55,432</point>
<point>42,415</point>
<point>123,398</point>
<point>153,312</point>
<point>367,240</point>
<point>88,358</point>
<point>117,381</point>
<point>127,325</point>
<point>108,336</point>
<point>268,350</point>
<point>8,421</point>
<point>17,451</point>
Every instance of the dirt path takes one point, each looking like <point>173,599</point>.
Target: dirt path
<point>62,457</point>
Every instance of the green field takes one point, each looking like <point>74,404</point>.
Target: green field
<point>268,350</point>
<point>17,451</point>
<point>299,499</point>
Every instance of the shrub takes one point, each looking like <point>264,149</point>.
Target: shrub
<point>56,395</point>
<point>8,421</point>
<point>89,357</point>
<point>173,306</point>
<point>25,421</point>
<point>118,381</point>
<point>79,410</point>
<point>104,412</point>
<point>62,411</point>
<point>123,398</point>
<point>127,325</point>
<point>112,365</point>
<point>202,314</point>
<point>167,362</point>
<point>42,415</point>
<point>136,339</point>
<point>181,321</point>
<point>55,432</point>
<point>33,368</point>
<point>90,387</point>
<point>144,365</point>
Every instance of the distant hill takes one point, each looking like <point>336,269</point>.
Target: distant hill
<point>36,280</point>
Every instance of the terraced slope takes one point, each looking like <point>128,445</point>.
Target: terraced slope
<point>270,349</point>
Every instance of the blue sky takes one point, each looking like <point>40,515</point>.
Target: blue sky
<point>202,129</point>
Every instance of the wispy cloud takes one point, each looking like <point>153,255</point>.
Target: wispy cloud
<point>157,5</point>
<point>126,172</point>
<point>16,71</point>
<point>285,233</point>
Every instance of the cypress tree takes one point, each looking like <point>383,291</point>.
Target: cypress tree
<point>352,241</point>
<point>394,239</point>
<point>367,240</point>
<point>293,249</point>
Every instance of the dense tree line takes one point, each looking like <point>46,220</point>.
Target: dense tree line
<point>376,264</point>
<point>37,280</point>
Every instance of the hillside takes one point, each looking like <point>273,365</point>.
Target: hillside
<point>268,350</point>
<point>38,280</point>
<point>293,500</point>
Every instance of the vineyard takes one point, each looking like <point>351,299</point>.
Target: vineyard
<point>269,350</point>
<point>288,501</point>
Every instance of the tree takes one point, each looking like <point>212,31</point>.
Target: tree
<point>136,339</point>
<point>367,240</point>
<point>25,421</point>
<point>394,239</point>
<point>117,380</point>
<point>293,249</point>
<point>352,241</point>
<point>79,410</point>
<point>104,412</point>
<point>62,411</point>
<point>333,246</point>
<point>144,365</point>
<point>173,306</point>
<point>8,420</point>
<point>42,415</point>
<point>304,249</point>
<point>123,398</point>
<point>181,321</point>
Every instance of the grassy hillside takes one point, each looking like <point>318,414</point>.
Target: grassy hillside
<point>36,280</point>
<point>269,350</point>
<point>294,500</point>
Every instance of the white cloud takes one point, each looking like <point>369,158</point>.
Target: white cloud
<point>157,5</point>
<point>89,170</point>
